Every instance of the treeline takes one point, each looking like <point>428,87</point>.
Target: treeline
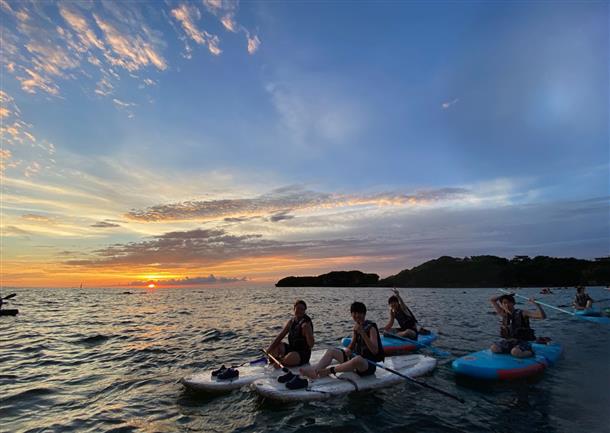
<point>475,271</point>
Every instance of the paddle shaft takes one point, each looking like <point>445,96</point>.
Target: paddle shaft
<point>541,303</point>
<point>417,344</point>
<point>422,384</point>
<point>273,359</point>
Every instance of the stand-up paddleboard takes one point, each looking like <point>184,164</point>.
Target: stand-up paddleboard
<point>592,315</point>
<point>395,346</point>
<point>9,312</point>
<point>205,382</point>
<point>493,366</point>
<point>345,383</point>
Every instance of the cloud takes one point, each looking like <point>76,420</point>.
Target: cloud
<point>280,216</point>
<point>187,15</point>
<point>15,231</point>
<point>37,218</point>
<point>281,199</point>
<point>104,224</point>
<point>188,281</point>
<point>253,44</point>
<point>448,104</point>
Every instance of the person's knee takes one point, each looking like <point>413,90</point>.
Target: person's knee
<point>495,349</point>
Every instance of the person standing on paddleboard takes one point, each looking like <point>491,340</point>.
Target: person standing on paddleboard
<point>515,330</point>
<point>300,338</point>
<point>582,301</point>
<point>365,345</point>
<point>404,316</point>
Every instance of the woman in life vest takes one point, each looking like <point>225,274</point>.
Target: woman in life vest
<point>406,319</point>
<point>515,330</point>
<point>365,345</point>
<point>300,338</point>
<point>582,301</point>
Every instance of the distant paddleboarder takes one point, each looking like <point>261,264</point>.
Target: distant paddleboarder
<point>582,300</point>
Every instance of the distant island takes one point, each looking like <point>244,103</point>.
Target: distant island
<point>475,271</point>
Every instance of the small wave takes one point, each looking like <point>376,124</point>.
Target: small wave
<point>211,335</point>
<point>93,340</point>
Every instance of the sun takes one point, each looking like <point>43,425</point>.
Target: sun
<point>151,286</point>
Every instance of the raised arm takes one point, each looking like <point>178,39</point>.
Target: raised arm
<point>402,304</point>
<point>496,305</point>
<point>538,314</point>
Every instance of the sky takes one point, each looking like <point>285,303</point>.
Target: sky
<point>218,142</point>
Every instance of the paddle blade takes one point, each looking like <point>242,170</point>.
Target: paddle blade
<point>260,361</point>
<point>12,295</point>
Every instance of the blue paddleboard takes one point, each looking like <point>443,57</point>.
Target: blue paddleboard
<point>492,366</point>
<point>395,346</point>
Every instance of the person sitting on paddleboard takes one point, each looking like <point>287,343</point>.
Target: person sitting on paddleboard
<point>300,338</point>
<point>365,345</point>
<point>515,330</point>
<point>582,301</point>
<point>406,319</point>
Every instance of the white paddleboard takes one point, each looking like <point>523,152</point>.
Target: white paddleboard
<point>205,382</point>
<point>323,388</point>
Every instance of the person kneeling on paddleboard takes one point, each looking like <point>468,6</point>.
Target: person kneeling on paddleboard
<point>365,345</point>
<point>406,319</point>
<point>515,330</point>
<point>582,301</point>
<point>300,338</point>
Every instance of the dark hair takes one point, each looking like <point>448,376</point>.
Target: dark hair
<point>300,301</point>
<point>509,298</point>
<point>358,307</point>
<point>580,289</point>
<point>392,299</point>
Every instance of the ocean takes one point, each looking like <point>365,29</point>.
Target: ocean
<point>109,360</point>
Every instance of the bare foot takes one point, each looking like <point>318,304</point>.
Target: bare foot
<point>324,372</point>
<point>309,372</point>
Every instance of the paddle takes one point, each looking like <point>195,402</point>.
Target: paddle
<point>12,295</point>
<point>423,384</point>
<point>542,303</point>
<point>270,356</point>
<point>419,345</point>
<point>587,318</point>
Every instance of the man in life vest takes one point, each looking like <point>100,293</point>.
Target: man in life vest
<point>365,345</point>
<point>582,301</point>
<point>406,319</point>
<point>515,330</point>
<point>300,338</point>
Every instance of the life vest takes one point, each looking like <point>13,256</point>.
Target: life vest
<point>517,326</point>
<point>296,339</point>
<point>582,299</point>
<point>405,321</point>
<point>362,349</point>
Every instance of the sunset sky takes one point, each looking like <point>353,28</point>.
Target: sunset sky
<point>214,142</point>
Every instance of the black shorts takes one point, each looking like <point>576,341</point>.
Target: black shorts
<point>369,371</point>
<point>507,345</point>
<point>303,354</point>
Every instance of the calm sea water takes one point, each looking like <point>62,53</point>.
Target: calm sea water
<point>107,361</point>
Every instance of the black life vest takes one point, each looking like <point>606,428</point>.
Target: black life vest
<point>405,320</point>
<point>582,299</point>
<point>517,326</point>
<point>360,347</point>
<point>296,339</point>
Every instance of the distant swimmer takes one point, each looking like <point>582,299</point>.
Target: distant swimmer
<point>365,346</point>
<point>516,332</point>
<point>300,338</point>
<point>407,323</point>
<point>582,300</point>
